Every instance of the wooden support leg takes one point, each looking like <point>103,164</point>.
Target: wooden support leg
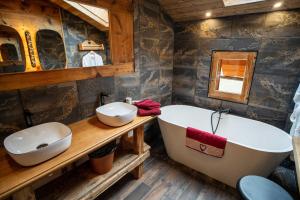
<point>138,148</point>
<point>138,171</point>
<point>25,193</point>
<point>138,140</point>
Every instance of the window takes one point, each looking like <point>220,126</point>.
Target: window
<point>231,75</point>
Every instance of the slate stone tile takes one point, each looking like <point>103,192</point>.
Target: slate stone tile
<point>210,28</point>
<point>149,78</point>
<point>207,102</point>
<point>282,24</point>
<point>235,108</point>
<point>279,56</point>
<point>127,80</point>
<point>272,91</point>
<point>209,45</point>
<point>12,117</point>
<point>90,89</point>
<point>166,99</point>
<point>182,100</point>
<point>248,26</point>
<point>152,93</point>
<point>186,48</point>
<point>187,61</point>
<point>149,53</point>
<point>166,27</point>
<point>165,86</point>
<point>122,92</point>
<point>183,89</point>
<point>202,82</point>
<point>201,88</point>
<point>166,62</point>
<point>245,44</point>
<point>52,103</point>
<point>270,116</point>
<point>185,73</point>
<point>149,19</point>
<point>166,48</point>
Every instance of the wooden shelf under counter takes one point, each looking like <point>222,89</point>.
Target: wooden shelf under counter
<point>88,135</point>
<point>83,183</point>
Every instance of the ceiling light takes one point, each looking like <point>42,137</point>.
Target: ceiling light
<point>208,14</point>
<point>277,5</point>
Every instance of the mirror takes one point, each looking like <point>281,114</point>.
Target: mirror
<point>11,51</point>
<point>51,50</point>
<point>231,75</point>
<point>59,35</point>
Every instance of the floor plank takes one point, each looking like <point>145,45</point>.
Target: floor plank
<point>165,179</point>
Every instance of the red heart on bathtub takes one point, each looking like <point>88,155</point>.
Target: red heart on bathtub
<point>203,147</point>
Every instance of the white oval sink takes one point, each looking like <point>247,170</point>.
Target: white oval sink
<point>116,114</point>
<point>37,144</point>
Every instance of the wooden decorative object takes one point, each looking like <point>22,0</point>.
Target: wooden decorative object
<point>90,45</point>
<point>227,58</point>
<point>30,48</point>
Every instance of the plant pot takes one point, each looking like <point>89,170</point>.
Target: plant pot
<point>103,164</point>
<point>102,159</point>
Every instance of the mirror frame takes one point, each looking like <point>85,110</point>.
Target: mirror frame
<point>217,56</point>
<point>121,51</point>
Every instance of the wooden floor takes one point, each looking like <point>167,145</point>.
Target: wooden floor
<point>165,179</point>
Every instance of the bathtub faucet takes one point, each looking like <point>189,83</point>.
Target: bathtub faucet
<point>220,111</point>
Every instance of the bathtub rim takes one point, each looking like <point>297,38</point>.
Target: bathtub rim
<point>286,150</point>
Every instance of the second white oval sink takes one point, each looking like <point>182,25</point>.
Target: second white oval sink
<point>116,114</point>
<point>39,143</point>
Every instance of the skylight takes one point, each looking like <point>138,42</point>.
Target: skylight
<point>239,2</point>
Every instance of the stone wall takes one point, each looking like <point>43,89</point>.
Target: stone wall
<point>276,37</point>
<point>73,101</point>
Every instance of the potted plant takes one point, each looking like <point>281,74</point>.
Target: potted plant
<point>102,159</point>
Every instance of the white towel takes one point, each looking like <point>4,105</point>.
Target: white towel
<point>295,117</point>
<point>92,59</point>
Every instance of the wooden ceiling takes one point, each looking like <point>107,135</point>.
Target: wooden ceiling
<point>187,10</point>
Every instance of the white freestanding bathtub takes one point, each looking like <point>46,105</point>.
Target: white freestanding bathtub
<point>252,147</point>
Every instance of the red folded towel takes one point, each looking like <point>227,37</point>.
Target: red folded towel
<point>148,107</point>
<point>205,142</point>
<point>147,104</point>
<point>154,111</point>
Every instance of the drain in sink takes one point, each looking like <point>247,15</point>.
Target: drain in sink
<point>41,145</point>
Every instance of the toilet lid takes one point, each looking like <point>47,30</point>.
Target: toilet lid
<point>260,188</point>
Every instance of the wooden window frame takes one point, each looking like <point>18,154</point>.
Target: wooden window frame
<point>217,56</point>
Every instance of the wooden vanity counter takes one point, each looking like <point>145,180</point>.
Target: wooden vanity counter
<point>88,135</point>
<point>296,147</point>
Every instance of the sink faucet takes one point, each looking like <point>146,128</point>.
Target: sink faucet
<point>28,118</point>
<point>102,95</point>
